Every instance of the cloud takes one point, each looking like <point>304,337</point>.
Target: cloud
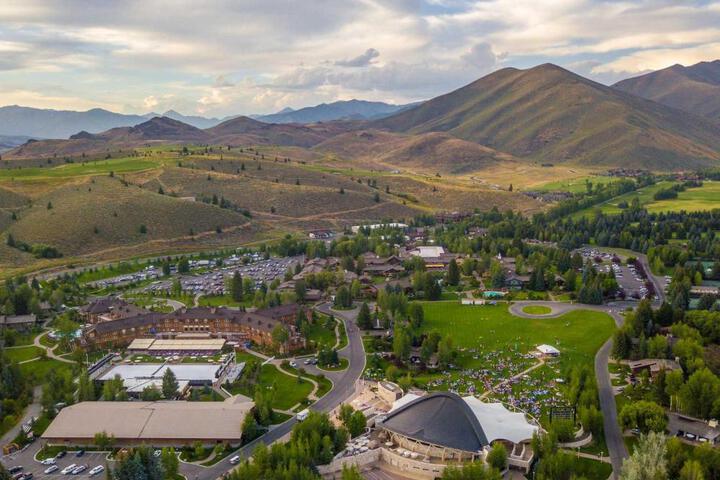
<point>298,53</point>
<point>362,60</point>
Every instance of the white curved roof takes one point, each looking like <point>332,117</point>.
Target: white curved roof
<point>499,423</point>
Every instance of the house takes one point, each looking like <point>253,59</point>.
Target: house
<point>321,234</point>
<point>693,429</point>
<point>515,281</point>
<point>109,308</point>
<point>653,366</point>
<point>18,322</point>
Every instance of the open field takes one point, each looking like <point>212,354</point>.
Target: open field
<point>39,369</point>
<point>706,197</point>
<point>287,391</point>
<point>494,345</point>
<point>21,354</point>
<point>577,185</point>
<point>537,310</point>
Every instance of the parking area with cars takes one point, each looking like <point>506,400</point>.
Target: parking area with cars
<point>78,464</point>
<point>630,279</point>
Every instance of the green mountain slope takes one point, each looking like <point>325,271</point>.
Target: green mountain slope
<point>552,115</point>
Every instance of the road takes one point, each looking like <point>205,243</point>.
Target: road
<point>613,434</point>
<point>342,389</point>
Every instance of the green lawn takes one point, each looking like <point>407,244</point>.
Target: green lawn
<point>320,335</point>
<point>537,310</point>
<point>591,469</point>
<point>288,391</point>
<point>221,301</point>
<point>342,366</point>
<point>706,197</point>
<point>23,353</point>
<point>69,170</point>
<point>493,345</point>
<point>578,335</point>
<point>40,368</point>
<point>576,185</point>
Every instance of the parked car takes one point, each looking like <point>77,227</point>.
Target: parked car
<point>68,469</point>
<point>79,469</point>
<point>80,453</point>
<point>96,470</point>
<point>48,461</point>
<point>51,469</point>
<point>15,469</point>
<point>27,476</point>
<point>60,454</point>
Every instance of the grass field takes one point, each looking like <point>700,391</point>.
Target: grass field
<point>23,353</point>
<point>39,369</point>
<point>494,345</point>
<point>576,185</point>
<point>578,335</point>
<point>537,310</point>
<point>72,170</point>
<point>706,197</point>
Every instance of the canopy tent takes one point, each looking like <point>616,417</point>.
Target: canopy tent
<point>499,423</point>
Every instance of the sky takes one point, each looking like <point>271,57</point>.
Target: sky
<point>229,57</point>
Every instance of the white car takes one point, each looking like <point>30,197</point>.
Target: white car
<point>235,460</point>
<point>293,364</point>
<point>48,461</point>
<point>51,469</point>
<point>96,470</point>
<point>68,469</point>
<point>79,469</point>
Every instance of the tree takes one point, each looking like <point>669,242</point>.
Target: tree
<point>351,473</point>
<point>644,415</point>
<point>249,428</point>
<point>104,441</point>
<point>170,463</point>
<point>497,458</point>
<point>343,298</point>
<point>236,287</point>
<point>417,315</point>
<point>170,385</point>
<point>364,320</point>
<point>86,388</point>
<point>648,460</point>
<point>699,393</point>
<point>300,290</point>
<point>453,275</point>
<point>401,344</point>
<point>151,394</point>
<point>692,470</point>
<point>356,423</point>
<point>471,471</point>
<point>280,335</point>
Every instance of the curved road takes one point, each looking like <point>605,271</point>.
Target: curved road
<point>613,434</point>
<point>342,389</point>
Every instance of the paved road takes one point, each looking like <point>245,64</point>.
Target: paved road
<point>33,410</point>
<point>342,390</point>
<point>613,434</point>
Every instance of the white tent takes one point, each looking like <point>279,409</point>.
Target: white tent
<point>548,350</point>
<point>499,423</point>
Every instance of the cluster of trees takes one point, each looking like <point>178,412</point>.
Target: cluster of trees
<point>15,392</point>
<point>140,463</point>
<point>657,457</point>
<point>353,420</point>
<point>315,441</point>
<point>695,389</point>
<point>39,250</point>
<point>20,297</point>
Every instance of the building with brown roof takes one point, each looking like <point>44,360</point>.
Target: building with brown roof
<point>219,322</point>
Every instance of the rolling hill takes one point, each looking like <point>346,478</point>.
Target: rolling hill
<point>433,152</point>
<point>551,115</point>
<point>695,89</point>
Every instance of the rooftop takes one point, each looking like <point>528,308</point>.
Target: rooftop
<point>151,420</point>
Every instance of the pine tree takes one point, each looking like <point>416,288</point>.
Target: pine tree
<point>170,385</point>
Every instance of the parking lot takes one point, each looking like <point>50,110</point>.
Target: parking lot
<point>25,458</point>
<point>628,278</point>
<point>213,280</point>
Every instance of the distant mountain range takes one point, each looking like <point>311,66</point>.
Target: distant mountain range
<point>544,114</point>
<point>695,89</point>
<point>342,110</point>
<point>57,124</point>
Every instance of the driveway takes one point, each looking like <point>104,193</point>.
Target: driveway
<point>613,434</point>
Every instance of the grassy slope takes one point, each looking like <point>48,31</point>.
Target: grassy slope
<point>552,115</point>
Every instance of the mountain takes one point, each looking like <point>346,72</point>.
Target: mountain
<point>42,123</point>
<point>194,120</point>
<point>695,89</point>
<point>8,142</point>
<point>325,112</point>
<point>551,115</point>
<point>433,152</point>
<point>245,130</point>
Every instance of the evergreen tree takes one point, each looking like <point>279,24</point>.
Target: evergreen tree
<point>364,320</point>
<point>170,385</point>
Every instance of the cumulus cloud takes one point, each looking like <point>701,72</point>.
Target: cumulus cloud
<point>362,60</point>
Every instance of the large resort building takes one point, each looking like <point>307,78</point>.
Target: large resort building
<point>225,323</point>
